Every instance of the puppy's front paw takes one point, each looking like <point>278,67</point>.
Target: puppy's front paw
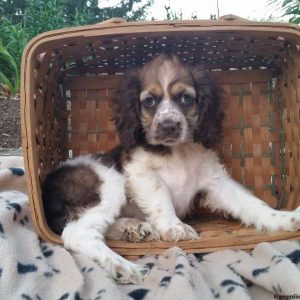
<point>137,231</point>
<point>87,241</point>
<point>294,220</point>
<point>124,271</point>
<point>281,221</point>
<point>178,232</point>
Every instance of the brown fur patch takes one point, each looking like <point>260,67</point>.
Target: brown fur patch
<point>177,89</point>
<point>126,157</point>
<point>168,71</point>
<point>192,112</point>
<point>147,114</point>
<point>147,117</point>
<point>80,185</point>
<point>162,68</point>
<point>154,89</point>
<point>112,158</point>
<point>66,191</point>
<point>180,87</point>
<point>117,157</point>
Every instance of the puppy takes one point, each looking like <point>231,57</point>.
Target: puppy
<point>168,117</point>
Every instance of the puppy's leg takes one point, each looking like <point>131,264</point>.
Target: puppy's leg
<point>154,199</point>
<point>224,194</point>
<point>86,235</point>
<point>132,230</point>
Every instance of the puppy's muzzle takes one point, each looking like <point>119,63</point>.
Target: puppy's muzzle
<point>168,130</point>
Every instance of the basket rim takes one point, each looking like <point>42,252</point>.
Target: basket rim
<point>116,24</point>
<point>119,23</point>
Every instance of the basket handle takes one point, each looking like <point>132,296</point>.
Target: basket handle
<point>232,18</point>
<point>112,21</point>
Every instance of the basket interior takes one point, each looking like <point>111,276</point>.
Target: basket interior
<point>73,79</point>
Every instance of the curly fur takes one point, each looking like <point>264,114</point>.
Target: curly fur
<point>126,106</point>
<point>210,108</point>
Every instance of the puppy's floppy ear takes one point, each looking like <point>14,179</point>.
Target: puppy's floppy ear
<point>126,109</point>
<point>210,106</point>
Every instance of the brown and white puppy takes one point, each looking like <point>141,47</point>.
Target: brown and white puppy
<point>168,116</point>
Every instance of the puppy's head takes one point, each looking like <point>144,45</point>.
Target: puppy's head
<point>168,103</point>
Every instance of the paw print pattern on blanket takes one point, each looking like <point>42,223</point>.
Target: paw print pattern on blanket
<point>295,257</point>
<point>18,216</point>
<point>86,269</point>
<point>139,294</point>
<point>17,171</point>
<point>1,229</point>
<point>257,272</point>
<point>165,281</point>
<point>26,268</point>
<point>27,297</point>
<point>12,178</point>
<point>64,296</point>
<point>46,250</point>
<point>179,269</point>
<point>32,269</point>
<point>231,285</point>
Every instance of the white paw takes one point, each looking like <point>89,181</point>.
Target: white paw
<point>281,221</point>
<point>124,271</point>
<point>178,232</point>
<point>137,231</point>
<point>294,220</point>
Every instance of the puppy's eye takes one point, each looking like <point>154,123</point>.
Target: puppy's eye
<point>186,99</point>
<point>149,101</point>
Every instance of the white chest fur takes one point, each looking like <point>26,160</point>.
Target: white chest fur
<point>180,173</point>
<point>184,172</point>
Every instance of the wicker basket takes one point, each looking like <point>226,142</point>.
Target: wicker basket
<point>69,75</point>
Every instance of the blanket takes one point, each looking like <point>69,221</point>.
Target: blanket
<point>12,175</point>
<point>33,269</point>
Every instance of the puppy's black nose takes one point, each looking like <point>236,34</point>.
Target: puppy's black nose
<point>169,127</point>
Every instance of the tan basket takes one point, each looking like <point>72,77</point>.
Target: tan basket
<point>69,75</point>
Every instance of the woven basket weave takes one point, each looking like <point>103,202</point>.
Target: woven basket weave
<point>68,77</point>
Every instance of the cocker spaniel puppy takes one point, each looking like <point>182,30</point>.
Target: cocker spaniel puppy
<point>169,117</point>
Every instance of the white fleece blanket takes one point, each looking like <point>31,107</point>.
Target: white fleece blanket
<point>32,269</point>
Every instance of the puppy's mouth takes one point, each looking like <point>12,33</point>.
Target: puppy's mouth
<point>180,137</point>
<point>168,140</point>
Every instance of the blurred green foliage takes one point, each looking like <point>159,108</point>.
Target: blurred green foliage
<point>288,8</point>
<point>21,20</point>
